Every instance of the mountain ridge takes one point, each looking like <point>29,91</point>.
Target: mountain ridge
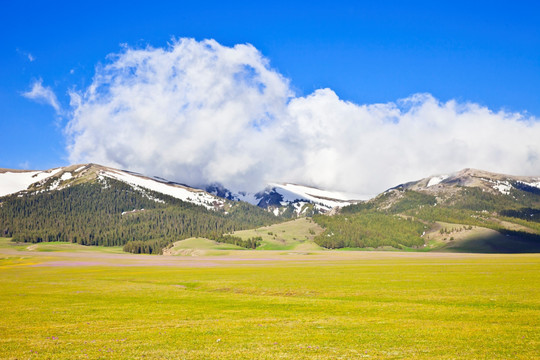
<point>58,178</point>
<point>278,198</point>
<point>468,177</point>
<point>92,204</point>
<point>444,212</point>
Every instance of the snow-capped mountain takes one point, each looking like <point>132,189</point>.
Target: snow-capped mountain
<point>28,182</point>
<point>97,205</point>
<point>476,188</point>
<point>487,181</point>
<point>278,197</point>
<point>220,191</point>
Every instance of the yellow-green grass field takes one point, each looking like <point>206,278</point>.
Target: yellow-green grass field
<point>269,305</point>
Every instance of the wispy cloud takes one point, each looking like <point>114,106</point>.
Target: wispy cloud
<point>199,112</point>
<point>26,54</point>
<point>43,94</point>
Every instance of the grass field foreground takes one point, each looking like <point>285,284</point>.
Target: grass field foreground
<point>420,306</point>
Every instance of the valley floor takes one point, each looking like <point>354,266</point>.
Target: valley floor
<point>81,303</point>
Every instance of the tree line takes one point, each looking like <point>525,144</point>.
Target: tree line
<point>116,214</point>
<point>368,229</point>
<point>250,243</point>
<point>380,222</point>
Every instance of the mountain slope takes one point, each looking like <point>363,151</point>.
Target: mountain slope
<point>472,199</point>
<point>28,182</point>
<point>467,189</point>
<point>487,181</point>
<point>12,181</point>
<point>95,205</point>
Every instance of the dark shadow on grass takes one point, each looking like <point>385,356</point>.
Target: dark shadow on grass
<point>503,242</point>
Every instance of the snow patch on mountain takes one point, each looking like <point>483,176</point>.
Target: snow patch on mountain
<point>532,184</point>
<point>193,196</point>
<point>324,198</point>
<point>66,176</point>
<point>284,194</point>
<point>56,184</point>
<point>300,207</point>
<point>13,182</point>
<point>503,186</point>
<point>436,180</point>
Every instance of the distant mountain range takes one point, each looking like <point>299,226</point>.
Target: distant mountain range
<point>298,200</point>
<point>93,204</point>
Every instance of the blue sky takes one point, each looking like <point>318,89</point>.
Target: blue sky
<point>485,52</point>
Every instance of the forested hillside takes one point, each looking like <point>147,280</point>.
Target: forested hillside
<point>369,229</point>
<point>95,205</point>
<point>112,213</point>
<point>400,217</point>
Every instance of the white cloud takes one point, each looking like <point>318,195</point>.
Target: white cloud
<point>368,148</point>
<point>31,58</point>
<point>43,94</point>
<point>199,112</point>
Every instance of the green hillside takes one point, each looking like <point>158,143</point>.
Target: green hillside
<point>294,235</point>
<point>408,219</point>
<point>291,235</point>
<point>487,213</point>
<point>117,215</point>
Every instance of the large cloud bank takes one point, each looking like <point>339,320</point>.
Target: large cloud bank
<point>200,112</point>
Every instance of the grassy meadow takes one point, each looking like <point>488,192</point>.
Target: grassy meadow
<point>200,246</point>
<point>58,246</point>
<point>338,305</point>
<point>297,234</point>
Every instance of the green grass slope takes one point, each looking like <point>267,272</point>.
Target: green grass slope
<point>291,235</point>
<point>294,235</point>
<point>199,247</point>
